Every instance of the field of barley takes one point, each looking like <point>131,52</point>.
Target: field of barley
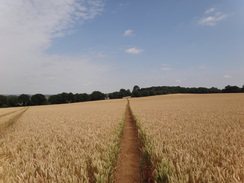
<point>61,143</point>
<point>193,138</point>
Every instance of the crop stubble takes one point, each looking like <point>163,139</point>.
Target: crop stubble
<point>194,138</point>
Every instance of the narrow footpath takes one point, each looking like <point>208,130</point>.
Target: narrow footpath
<point>128,164</point>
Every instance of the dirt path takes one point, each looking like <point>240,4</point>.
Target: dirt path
<point>128,169</point>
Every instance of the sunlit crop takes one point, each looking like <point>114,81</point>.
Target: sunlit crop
<point>63,143</point>
<point>8,117</point>
<point>193,138</point>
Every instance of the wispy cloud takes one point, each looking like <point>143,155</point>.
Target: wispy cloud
<point>133,50</point>
<point>227,76</point>
<point>210,10</point>
<point>128,32</point>
<point>166,67</point>
<point>203,66</point>
<point>212,17</point>
<point>28,29</point>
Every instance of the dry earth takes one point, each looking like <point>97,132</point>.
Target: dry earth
<point>128,170</point>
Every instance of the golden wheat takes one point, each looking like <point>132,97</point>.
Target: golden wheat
<point>6,111</point>
<point>194,138</point>
<point>7,117</point>
<point>63,143</point>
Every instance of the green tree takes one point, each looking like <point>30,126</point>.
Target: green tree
<point>23,100</point>
<point>81,97</point>
<point>136,91</point>
<point>38,99</point>
<point>71,98</point>
<point>231,89</point>
<point>214,90</point>
<point>64,97</point>
<point>55,99</point>
<point>114,95</point>
<point>97,95</point>
<point>3,101</point>
<point>135,88</point>
<point>13,101</point>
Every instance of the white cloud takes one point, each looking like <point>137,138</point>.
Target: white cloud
<point>166,67</point>
<point>227,76</point>
<point>128,32</point>
<point>27,29</point>
<point>133,50</point>
<point>210,10</point>
<point>212,20</point>
<point>202,67</point>
<point>212,17</point>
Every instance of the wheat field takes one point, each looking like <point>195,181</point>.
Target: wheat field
<point>193,138</point>
<point>190,138</point>
<point>7,111</point>
<point>63,143</point>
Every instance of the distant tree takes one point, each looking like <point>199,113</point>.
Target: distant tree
<point>3,101</point>
<point>71,98</point>
<point>136,88</point>
<point>64,97</point>
<point>78,97</point>
<point>23,99</point>
<point>81,97</point>
<point>146,93</point>
<point>136,91</point>
<point>202,90</point>
<point>55,99</point>
<point>13,101</point>
<point>114,95</point>
<point>214,90</point>
<point>128,93</point>
<point>242,90</point>
<point>231,89</point>
<point>97,95</point>
<point>123,93</point>
<point>38,99</point>
<point>84,97</point>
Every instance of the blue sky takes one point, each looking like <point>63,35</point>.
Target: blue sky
<point>79,46</point>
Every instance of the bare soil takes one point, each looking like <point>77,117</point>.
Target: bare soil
<point>128,164</point>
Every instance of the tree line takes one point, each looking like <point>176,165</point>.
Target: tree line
<point>161,90</point>
<point>40,99</point>
<point>62,98</point>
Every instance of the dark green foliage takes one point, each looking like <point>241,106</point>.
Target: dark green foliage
<point>3,101</point>
<point>161,90</point>
<point>114,95</point>
<point>63,98</point>
<point>38,99</point>
<point>82,97</point>
<point>55,99</point>
<point>97,95</point>
<point>119,94</point>
<point>71,98</point>
<point>23,100</point>
<point>13,101</point>
<point>231,89</point>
